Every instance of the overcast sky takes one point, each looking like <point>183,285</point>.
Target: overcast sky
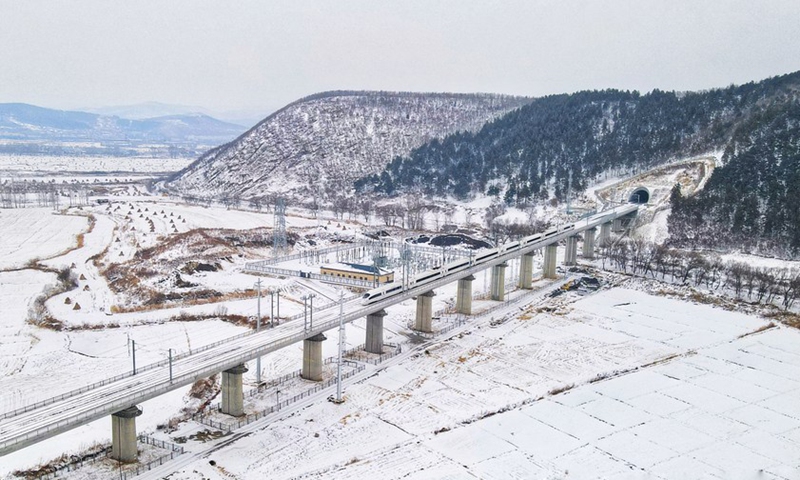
<point>262,54</point>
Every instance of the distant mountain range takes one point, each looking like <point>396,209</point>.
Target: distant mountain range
<point>28,124</point>
<point>317,146</point>
<point>247,117</point>
<point>141,111</point>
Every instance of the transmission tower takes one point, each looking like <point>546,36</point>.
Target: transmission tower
<point>279,228</point>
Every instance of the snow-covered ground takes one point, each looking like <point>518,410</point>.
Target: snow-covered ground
<point>36,233</point>
<point>650,387</point>
<point>25,165</point>
<point>760,262</point>
<point>689,394</point>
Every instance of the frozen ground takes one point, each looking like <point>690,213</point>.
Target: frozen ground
<point>760,262</point>
<point>663,389</point>
<point>27,165</point>
<point>30,233</point>
<point>654,388</point>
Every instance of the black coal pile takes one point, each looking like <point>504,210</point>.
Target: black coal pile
<point>451,240</point>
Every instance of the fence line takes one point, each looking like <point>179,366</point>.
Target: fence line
<point>174,451</point>
<point>157,364</point>
<point>372,359</point>
<point>462,319</point>
<point>250,418</point>
<point>364,244</point>
<point>75,465</point>
<point>161,444</point>
<point>315,276</point>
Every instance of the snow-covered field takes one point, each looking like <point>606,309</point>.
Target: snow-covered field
<point>616,384</point>
<point>42,164</point>
<point>36,233</point>
<point>694,397</point>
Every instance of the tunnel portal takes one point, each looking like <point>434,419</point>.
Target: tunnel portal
<point>640,195</point>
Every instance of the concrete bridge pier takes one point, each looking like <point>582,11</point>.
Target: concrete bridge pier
<point>588,242</point>
<point>571,252</point>
<point>374,341</point>
<point>464,296</point>
<point>123,434</point>
<point>232,392</point>
<point>312,357</point>
<point>498,291</point>
<point>526,271</point>
<point>605,234</point>
<point>549,265</point>
<point>424,312</point>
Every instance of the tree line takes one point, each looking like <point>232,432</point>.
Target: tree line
<point>755,284</point>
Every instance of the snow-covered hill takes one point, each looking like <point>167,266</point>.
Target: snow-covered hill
<point>317,146</point>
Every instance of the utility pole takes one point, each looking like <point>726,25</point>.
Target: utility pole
<point>271,308</point>
<point>305,312</point>
<point>311,311</point>
<point>133,349</point>
<point>341,347</point>
<point>258,329</point>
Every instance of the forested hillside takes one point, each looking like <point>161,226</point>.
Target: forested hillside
<point>529,154</point>
<point>750,203</point>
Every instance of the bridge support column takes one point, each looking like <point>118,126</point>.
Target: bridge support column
<point>588,243</point>
<point>464,296</point>
<point>424,312</point>
<point>618,225</point>
<point>549,265</point>
<point>605,234</point>
<point>571,252</point>
<point>526,271</point>
<point>123,434</point>
<point>232,392</point>
<point>498,290</point>
<point>374,341</point>
<point>312,357</point>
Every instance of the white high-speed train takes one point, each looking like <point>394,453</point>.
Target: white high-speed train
<point>427,276</point>
<point>385,291</point>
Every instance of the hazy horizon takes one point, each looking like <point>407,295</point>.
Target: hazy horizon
<point>258,56</point>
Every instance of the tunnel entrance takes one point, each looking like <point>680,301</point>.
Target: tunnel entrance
<point>641,196</point>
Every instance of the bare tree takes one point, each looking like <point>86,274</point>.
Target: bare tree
<point>366,208</point>
<point>255,203</point>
